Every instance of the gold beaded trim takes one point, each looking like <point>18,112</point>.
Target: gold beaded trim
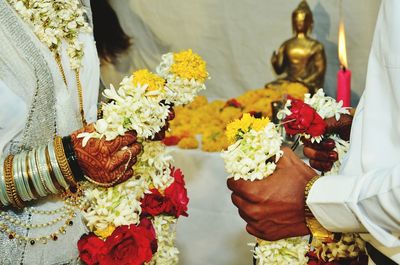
<point>62,161</point>
<point>78,83</point>
<point>80,93</point>
<point>307,189</point>
<point>10,183</point>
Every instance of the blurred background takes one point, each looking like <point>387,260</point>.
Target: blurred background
<point>237,38</point>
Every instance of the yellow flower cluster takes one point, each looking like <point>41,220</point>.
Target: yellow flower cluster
<point>189,65</point>
<point>144,76</point>
<point>210,119</point>
<point>188,143</point>
<point>235,129</point>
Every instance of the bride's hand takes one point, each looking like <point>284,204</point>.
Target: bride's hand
<point>106,161</point>
<point>161,134</point>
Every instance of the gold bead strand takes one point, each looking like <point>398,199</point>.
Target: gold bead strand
<point>80,94</point>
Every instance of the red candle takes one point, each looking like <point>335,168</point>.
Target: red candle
<point>344,75</point>
<point>344,87</point>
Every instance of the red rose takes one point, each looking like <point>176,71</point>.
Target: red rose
<point>171,140</point>
<point>176,193</point>
<point>148,229</point>
<point>153,204</point>
<point>90,248</point>
<point>304,119</point>
<point>130,245</point>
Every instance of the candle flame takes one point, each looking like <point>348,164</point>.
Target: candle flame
<point>342,46</point>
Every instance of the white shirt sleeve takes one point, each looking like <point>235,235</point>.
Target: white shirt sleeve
<point>360,204</point>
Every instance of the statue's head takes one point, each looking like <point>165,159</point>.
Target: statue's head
<point>302,18</point>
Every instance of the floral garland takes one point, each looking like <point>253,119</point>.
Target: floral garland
<point>253,155</point>
<point>282,252</point>
<point>254,142</point>
<point>185,73</point>
<point>154,198</point>
<point>54,21</point>
<point>307,119</point>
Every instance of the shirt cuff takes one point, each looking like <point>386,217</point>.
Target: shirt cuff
<point>328,200</point>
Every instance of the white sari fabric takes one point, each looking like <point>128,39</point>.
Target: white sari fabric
<point>34,104</point>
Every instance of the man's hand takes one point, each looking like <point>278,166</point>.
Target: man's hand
<point>105,161</point>
<point>274,207</point>
<point>321,154</point>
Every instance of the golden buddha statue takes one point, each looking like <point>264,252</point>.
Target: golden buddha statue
<point>300,59</point>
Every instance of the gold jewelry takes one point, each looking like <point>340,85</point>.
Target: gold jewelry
<point>316,229</point>
<point>10,183</point>
<point>62,161</point>
<point>110,184</point>
<point>60,67</point>
<point>80,93</point>
<point>78,83</point>
<point>307,189</point>
<point>64,215</point>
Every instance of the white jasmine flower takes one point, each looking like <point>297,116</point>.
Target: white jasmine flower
<point>167,253</point>
<point>325,106</point>
<point>54,21</point>
<point>291,251</point>
<point>249,158</point>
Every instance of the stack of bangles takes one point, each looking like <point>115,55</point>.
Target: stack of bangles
<point>37,173</point>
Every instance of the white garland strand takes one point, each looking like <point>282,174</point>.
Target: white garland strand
<point>154,165</point>
<point>246,159</point>
<point>132,108</point>
<point>55,21</point>
<point>291,251</point>
<point>167,254</point>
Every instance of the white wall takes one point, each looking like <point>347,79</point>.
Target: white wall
<point>237,37</point>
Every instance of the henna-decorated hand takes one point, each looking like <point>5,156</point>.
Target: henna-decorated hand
<point>106,161</point>
<point>321,154</point>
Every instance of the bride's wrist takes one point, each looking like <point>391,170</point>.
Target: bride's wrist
<point>37,173</point>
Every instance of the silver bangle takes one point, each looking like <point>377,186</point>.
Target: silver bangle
<point>25,175</point>
<point>56,168</point>
<point>33,171</point>
<point>3,193</point>
<point>19,182</point>
<point>44,171</point>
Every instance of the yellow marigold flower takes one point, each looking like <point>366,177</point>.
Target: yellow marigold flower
<point>189,65</point>
<point>214,141</point>
<point>106,232</point>
<point>259,124</point>
<point>229,114</point>
<point>188,143</point>
<point>240,126</point>
<point>198,102</point>
<point>237,126</point>
<point>297,90</point>
<point>144,76</point>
